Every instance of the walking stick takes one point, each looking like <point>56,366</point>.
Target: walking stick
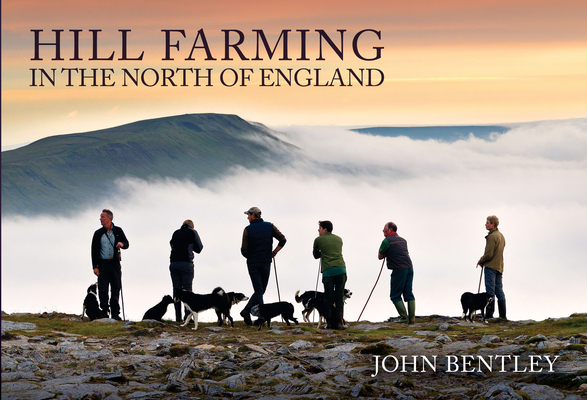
<point>277,282</point>
<point>382,264</point>
<point>122,295</point>
<point>478,290</point>
<point>480,276</point>
<point>316,291</point>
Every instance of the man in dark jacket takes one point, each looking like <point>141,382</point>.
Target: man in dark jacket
<point>395,249</point>
<point>184,242</point>
<point>257,247</point>
<point>106,244</point>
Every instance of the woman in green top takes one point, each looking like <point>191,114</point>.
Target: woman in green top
<point>328,248</point>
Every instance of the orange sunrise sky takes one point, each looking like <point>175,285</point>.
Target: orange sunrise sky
<point>444,63</point>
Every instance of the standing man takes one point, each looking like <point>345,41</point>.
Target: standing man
<point>395,249</point>
<point>328,247</point>
<point>492,260</point>
<point>256,248</point>
<point>106,245</point>
<point>184,242</point>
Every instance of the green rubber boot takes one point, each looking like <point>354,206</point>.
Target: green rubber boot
<point>411,312</point>
<point>401,310</point>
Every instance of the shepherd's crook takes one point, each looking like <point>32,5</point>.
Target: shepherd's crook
<point>276,281</point>
<point>382,264</point>
<point>122,295</point>
<point>316,291</point>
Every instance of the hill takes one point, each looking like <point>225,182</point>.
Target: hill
<point>60,174</point>
<point>53,355</point>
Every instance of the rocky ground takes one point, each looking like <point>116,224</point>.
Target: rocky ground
<point>370,360</point>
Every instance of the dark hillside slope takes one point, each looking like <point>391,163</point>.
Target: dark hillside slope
<point>63,173</point>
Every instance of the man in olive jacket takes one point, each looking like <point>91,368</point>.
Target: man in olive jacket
<point>492,260</point>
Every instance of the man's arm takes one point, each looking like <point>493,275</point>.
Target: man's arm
<point>198,246</point>
<point>489,250</point>
<point>279,236</point>
<point>383,249</point>
<point>316,252</point>
<point>245,244</point>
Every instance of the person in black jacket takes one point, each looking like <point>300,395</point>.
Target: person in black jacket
<point>106,244</point>
<point>184,242</point>
<point>257,247</point>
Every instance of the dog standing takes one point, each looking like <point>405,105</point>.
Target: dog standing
<point>315,300</point>
<point>271,310</point>
<point>158,311</point>
<point>91,307</point>
<point>234,298</point>
<point>195,303</point>
<point>472,302</point>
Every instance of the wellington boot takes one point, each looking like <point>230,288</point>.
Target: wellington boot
<point>489,310</point>
<point>178,311</point>
<point>411,312</point>
<point>246,314</point>
<point>401,310</point>
<point>330,323</point>
<point>501,309</point>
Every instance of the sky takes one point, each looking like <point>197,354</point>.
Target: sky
<point>443,63</point>
<point>439,195</point>
<point>449,63</point>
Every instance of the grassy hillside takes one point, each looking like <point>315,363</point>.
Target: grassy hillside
<point>62,173</point>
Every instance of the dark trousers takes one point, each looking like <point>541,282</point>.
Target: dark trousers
<point>110,278</point>
<point>401,284</point>
<point>259,273</point>
<point>334,290</point>
<point>182,277</point>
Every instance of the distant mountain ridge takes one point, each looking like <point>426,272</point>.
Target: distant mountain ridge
<point>60,174</point>
<point>441,133</point>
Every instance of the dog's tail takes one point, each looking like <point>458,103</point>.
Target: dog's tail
<point>298,298</point>
<point>219,291</point>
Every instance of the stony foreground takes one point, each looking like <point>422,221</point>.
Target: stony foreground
<point>163,360</point>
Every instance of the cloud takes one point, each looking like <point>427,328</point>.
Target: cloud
<point>71,115</point>
<point>439,194</point>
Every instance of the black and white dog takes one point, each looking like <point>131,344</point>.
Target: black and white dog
<point>195,303</point>
<point>234,298</point>
<point>271,310</point>
<point>158,311</point>
<point>315,300</point>
<point>91,307</point>
<point>472,302</point>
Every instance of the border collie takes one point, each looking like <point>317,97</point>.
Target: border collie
<point>91,307</point>
<point>271,310</point>
<point>158,311</point>
<point>472,302</point>
<point>195,303</point>
<point>234,298</point>
<point>315,300</point>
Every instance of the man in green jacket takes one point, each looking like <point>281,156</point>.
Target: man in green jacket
<point>328,248</point>
<point>492,260</point>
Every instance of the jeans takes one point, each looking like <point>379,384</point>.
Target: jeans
<point>110,277</point>
<point>334,290</point>
<point>182,276</point>
<point>259,273</point>
<point>494,283</point>
<point>401,284</point>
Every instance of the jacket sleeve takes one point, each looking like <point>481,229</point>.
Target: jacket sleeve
<point>279,236</point>
<point>198,246</point>
<point>121,237</point>
<point>245,244</point>
<point>95,250</point>
<point>490,247</point>
<point>316,251</point>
